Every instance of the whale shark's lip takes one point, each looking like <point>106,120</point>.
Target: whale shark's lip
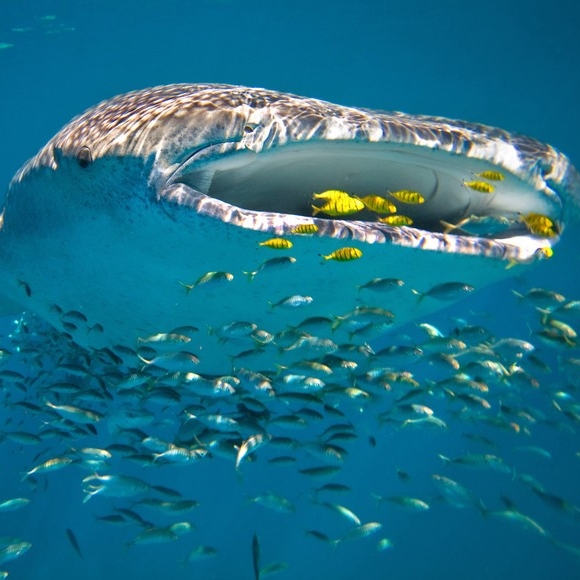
<point>272,192</point>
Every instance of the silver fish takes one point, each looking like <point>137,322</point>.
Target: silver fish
<point>250,445</point>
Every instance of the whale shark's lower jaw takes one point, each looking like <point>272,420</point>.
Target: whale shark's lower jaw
<point>273,192</point>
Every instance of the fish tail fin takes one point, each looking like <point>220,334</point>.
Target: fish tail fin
<point>419,295</point>
<point>188,287</point>
<point>250,275</point>
<point>378,499</point>
<point>514,473</point>
<point>520,296</point>
<point>568,547</point>
<point>448,227</point>
<point>233,358</point>
<point>545,315</point>
<point>445,460</point>
<point>280,368</point>
<point>211,331</point>
<point>315,210</point>
<point>482,508</point>
<point>147,362</point>
<point>312,496</point>
<point>240,478</point>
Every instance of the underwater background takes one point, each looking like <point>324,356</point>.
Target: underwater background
<point>511,64</point>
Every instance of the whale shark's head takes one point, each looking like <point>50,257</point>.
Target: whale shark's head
<point>128,213</point>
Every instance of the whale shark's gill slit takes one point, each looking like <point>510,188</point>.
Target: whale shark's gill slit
<point>186,172</point>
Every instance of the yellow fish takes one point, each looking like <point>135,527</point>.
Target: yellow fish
<point>540,225</point>
<point>277,244</point>
<point>491,175</point>
<point>340,206</point>
<point>396,220</point>
<point>344,255</point>
<point>378,204</point>
<point>330,195</point>
<point>545,252</point>
<point>305,229</point>
<point>406,196</point>
<point>481,186</point>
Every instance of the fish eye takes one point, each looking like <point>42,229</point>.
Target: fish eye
<point>84,157</point>
<point>249,128</point>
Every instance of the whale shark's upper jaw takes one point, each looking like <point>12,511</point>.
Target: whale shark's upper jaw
<point>275,187</point>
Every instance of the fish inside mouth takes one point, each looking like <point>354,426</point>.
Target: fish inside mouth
<point>283,180</point>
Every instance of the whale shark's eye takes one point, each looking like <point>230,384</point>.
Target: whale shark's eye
<point>84,157</point>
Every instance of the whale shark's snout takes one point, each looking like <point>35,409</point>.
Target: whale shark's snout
<point>146,193</point>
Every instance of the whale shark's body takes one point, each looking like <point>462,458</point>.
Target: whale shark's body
<point>139,198</point>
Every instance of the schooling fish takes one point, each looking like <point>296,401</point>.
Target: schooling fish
<point>396,220</point>
<point>481,186</point>
<point>256,556</point>
<point>344,255</point>
<point>491,175</point>
<point>74,542</point>
<point>277,244</point>
<point>406,196</point>
<point>378,204</point>
<point>339,206</point>
<point>251,445</point>
<point>208,279</point>
<point>448,291</point>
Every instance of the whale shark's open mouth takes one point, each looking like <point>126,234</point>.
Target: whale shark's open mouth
<point>467,205</point>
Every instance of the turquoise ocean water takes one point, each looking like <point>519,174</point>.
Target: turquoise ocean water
<point>512,64</point>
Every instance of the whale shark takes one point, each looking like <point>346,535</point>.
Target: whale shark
<point>155,211</point>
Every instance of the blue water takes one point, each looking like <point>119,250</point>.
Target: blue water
<point>510,63</point>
